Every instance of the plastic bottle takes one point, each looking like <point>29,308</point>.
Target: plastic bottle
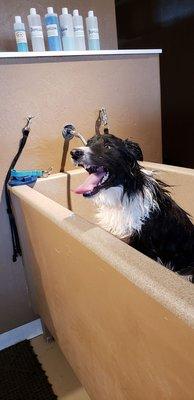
<point>20,34</point>
<point>53,30</point>
<point>67,32</point>
<point>92,31</point>
<point>78,31</point>
<point>36,32</point>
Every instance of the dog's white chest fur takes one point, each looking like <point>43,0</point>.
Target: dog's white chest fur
<point>120,215</point>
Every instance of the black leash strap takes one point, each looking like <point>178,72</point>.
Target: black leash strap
<point>14,232</point>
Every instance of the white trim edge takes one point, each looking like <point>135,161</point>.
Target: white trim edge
<point>27,331</point>
<point>31,54</point>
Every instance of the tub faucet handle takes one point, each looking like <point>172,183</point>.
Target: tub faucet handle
<point>29,121</point>
<point>102,120</point>
<point>103,116</point>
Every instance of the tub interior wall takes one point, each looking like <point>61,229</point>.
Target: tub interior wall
<point>60,189</point>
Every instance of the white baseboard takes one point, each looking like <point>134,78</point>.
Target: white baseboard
<point>27,331</point>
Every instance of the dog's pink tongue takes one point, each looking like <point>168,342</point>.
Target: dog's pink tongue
<point>90,183</point>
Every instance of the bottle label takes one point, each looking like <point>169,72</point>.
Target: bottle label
<point>36,31</point>
<point>20,37</point>
<point>79,31</point>
<point>52,30</point>
<point>93,33</point>
<point>66,32</point>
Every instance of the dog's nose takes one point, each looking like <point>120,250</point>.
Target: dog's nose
<point>76,153</point>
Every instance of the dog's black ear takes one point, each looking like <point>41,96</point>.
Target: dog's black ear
<point>134,150</point>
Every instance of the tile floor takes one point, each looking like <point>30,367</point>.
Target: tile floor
<point>65,384</point>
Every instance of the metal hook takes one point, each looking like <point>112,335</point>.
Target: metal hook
<point>47,172</point>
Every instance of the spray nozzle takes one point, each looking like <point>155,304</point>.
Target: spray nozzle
<point>103,116</point>
<point>26,128</point>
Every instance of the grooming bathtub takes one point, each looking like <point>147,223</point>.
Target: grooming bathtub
<point>124,322</point>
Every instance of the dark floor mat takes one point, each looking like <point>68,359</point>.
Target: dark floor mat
<point>21,375</point>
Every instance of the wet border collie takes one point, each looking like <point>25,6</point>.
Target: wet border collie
<point>133,205</point>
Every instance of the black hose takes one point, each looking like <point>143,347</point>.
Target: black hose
<point>14,232</point>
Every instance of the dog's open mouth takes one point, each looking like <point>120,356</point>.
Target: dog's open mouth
<point>94,182</point>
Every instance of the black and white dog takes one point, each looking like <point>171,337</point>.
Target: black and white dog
<point>133,205</point>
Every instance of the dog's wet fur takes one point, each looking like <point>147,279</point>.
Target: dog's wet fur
<point>133,205</point>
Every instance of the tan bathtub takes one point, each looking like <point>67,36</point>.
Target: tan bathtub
<point>124,323</point>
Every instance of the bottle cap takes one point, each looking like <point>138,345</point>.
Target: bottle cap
<point>75,12</point>
<point>50,10</point>
<point>90,13</point>
<point>64,10</point>
<point>32,11</point>
<point>18,19</point>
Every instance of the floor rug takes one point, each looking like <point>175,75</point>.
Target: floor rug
<point>21,375</point>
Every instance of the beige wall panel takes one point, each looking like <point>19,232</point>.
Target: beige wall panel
<point>105,10</point>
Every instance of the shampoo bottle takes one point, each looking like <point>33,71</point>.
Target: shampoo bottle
<point>53,30</point>
<point>78,31</point>
<point>92,31</point>
<point>36,32</point>
<point>67,32</point>
<point>20,34</point>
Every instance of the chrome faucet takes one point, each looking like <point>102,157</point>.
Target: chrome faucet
<point>69,131</point>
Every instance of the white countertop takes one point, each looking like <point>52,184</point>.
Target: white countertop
<point>29,54</point>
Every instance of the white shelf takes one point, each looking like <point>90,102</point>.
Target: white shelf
<point>30,54</point>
